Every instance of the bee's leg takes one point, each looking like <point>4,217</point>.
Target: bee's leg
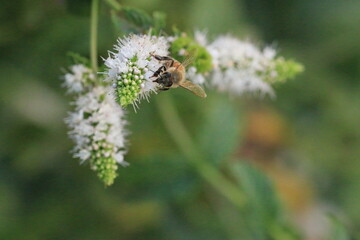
<point>158,71</point>
<point>164,58</point>
<point>159,80</point>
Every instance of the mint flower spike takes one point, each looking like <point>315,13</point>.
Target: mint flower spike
<point>97,127</point>
<point>241,67</point>
<point>130,67</point>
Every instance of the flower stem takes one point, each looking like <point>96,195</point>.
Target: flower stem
<point>114,4</point>
<point>183,140</point>
<point>93,34</point>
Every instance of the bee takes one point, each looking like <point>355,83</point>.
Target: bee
<point>172,75</point>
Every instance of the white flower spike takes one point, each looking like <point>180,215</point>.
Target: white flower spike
<point>97,127</point>
<point>131,65</point>
<point>240,67</point>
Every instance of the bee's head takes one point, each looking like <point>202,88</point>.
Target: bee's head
<point>167,75</point>
<point>165,79</point>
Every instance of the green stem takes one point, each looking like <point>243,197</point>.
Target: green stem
<point>183,140</point>
<point>93,34</point>
<point>114,4</point>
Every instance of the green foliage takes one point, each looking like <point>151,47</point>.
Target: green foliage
<point>201,58</point>
<point>131,19</point>
<point>76,58</point>
<point>265,214</point>
<point>259,190</point>
<point>138,17</point>
<point>159,21</point>
<point>80,7</point>
<point>219,132</point>
<point>116,23</point>
<point>338,230</point>
<point>283,231</point>
<point>164,177</point>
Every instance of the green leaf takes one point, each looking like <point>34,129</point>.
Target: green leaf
<point>135,19</point>
<point>166,177</point>
<point>81,7</point>
<point>138,17</point>
<point>266,218</point>
<point>283,232</point>
<point>117,24</point>
<point>263,204</point>
<point>338,230</point>
<point>219,132</point>
<point>76,58</point>
<point>159,21</point>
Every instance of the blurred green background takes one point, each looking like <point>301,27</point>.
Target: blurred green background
<point>307,139</point>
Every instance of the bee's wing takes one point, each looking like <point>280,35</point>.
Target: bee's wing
<point>190,58</point>
<point>194,88</point>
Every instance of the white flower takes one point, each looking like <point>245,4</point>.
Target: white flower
<point>201,38</point>
<point>120,159</point>
<point>131,65</point>
<point>195,77</point>
<point>240,66</point>
<point>182,52</point>
<point>95,127</point>
<point>83,154</point>
<point>78,76</point>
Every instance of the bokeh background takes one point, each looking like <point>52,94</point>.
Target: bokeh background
<point>307,139</point>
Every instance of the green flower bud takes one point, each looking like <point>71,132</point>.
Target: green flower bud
<point>129,90</point>
<point>105,168</point>
<point>202,58</point>
<point>285,69</point>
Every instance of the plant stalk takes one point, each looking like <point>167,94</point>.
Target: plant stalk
<point>93,34</point>
<point>114,4</point>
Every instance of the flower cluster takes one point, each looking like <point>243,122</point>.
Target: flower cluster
<point>228,64</point>
<point>97,125</point>
<point>97,122</point>
<point>240,66</point>
<point>130,67</point>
